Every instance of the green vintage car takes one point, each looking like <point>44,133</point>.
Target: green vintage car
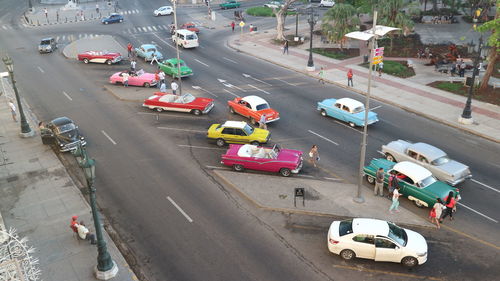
<point>415,182</point>
<point>230,4</point>
<point>170,68</point>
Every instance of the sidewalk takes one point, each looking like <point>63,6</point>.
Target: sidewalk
<point>38,198</point>
<point>423,100</point>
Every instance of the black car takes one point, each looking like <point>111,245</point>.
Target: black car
<point>64,133</point>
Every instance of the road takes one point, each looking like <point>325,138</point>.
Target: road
<point>153,181</point>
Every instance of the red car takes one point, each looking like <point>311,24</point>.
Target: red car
<point>191,27</point>
<point>100,57</point>
<point>253,107</point>
<point>185,103</point>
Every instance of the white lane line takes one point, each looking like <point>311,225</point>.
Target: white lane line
<point>177,129</point>
<point>154,27</point>
<point>285,82</point>
<point>259,89</point>
<point>200,147</point>
<point>305,176</point>
<point>231,93</point>
<point>64,93</point>
<point>322,137</point>
<point>481,214</point>
<point>347,126</point>
<point>206,91</point>
<point>229,60</point>
<point>41,70</point>
<point>179,209</point>
<point>202,63</point>
<point>163,41</point>
<point>238,88</point>
<point>258,80</point>
<point>109,138</point>
<point>485,185</point>
<point>150,29</point>
<point>332,179</point>
<point>376,107</point>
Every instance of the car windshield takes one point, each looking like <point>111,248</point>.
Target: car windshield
<point>397,234</point>
<point>262,106</point>
<point>66,128</point>
<point>190,37</point>
<point>248,130</point>
<point>427,181</point>
<point>345,227</point>
<point>359,109</point>
<point>151,50</point>
<point>440,161</point>
<point>45,42</point>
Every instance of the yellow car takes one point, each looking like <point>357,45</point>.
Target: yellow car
<point>237,132</point>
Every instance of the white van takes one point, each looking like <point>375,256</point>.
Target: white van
<point>326,3</point>
<point>185,38</point>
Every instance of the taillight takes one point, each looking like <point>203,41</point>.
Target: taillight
<point>333,241</point>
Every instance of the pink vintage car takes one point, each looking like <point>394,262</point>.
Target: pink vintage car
<point>252,157</point>
<point>139,78</point>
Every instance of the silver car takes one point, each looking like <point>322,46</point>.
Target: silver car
<point>432,158</point>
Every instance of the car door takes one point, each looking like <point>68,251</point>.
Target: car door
<point>169,69</point>
<point>141,52</point>
<point>364,246</point>
<point>228,135</point>
<point>240,107</point>
<point>240,136</point>
<point>387,250</point>
<point>336,111</point>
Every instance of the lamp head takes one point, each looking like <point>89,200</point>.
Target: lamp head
<point>8,63</point>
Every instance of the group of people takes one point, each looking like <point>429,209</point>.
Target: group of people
<point>82,231</point>
<point>161,84</point>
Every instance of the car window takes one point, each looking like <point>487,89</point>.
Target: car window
<point>239,132</point>
<point>423,159</point>
<point>440,161</point>
<point>142,49</point>
<point>170,64</point>
<point>345,227</point>
<point>397,233</point>
<point>66,128</point>
<point>228,131</point>
<point>191,37</point>
<point>358,109</point>
<point>405,178</point>
<point>345,108</point>
<point>363,238</point>
<point>427,181</point>
<point>248,105</point>
<point>338,105</point>
<point>248,130</point>
<point>412,154</point>
<point>383,243</point>
<point>152,50</point>
<point>45,42</point>
<point>262,106</point>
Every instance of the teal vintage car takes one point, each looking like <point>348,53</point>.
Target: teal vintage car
<point>170,68</point>
<point>415,182</point>
<point>231,4</point>
<point>348,110</point>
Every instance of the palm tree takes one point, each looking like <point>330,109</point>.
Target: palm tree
<point>338,21</point>
<point>391,14</point>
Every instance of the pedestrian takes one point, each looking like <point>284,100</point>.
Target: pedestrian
<point>462,69</point>
<point>85,234</point>
<point>427,52</point>
<point>379,182</point>
<point>13,110</point>
<point>154,58</point>
<point>132,65</point>
<point>125,76</point>
<point>380,68</point>
<point>129,49</point>
<point>321,75</point>
<point>163,88</point>
<point>74,224</point>
<point>457,198</point>
<point>285,47</point>
<point>97,8</point>
<point>57,15</point>
<point>83,17</point>
<point>392,184</point>
<point>453,70</point>
<point>449,203</point>
<point>436,212</point>
<point>262,122</point>
<point>349,78</point>
<point>162,76</point>
<point>314,155</point>
<point>46,13</point>
<point>395,200</point>
<point>174,87</point>
<point>233,25</point>
<point>157,78</point>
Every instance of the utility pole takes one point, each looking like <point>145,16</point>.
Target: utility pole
<point>177,48</point>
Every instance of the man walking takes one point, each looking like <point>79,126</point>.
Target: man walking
<point>379,182</point>
<point>233,25</point>
<point>285,47</point>
<point>125,76</point>
<point>132,65</point>
<point>395,201</point>
<point>154,58</point>
<point>349,78</point>
<point>174,87</point>
<point>13,110</point>
<point>380,68</point>
<point>162,76</point>
<point>321,75</point>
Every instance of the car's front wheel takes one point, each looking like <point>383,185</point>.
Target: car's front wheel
<point>109,62</point>
<point>370,179</point>
<point>352,124</point>
<point>285,172</point>
<point>159,109</point>
<point>390,157</point>
<point>147,85</point>
<point>323,113</point>
<point>255,143</point>
<point>196,112</point>
<point>85,60</point>
<point>409,261</point>
<point>220,142</point>
<point>347,254</point>
<point>238,167</point>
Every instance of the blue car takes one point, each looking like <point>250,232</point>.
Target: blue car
<point>347,110</point>
<point>146,51</point>
<point>113,18</point>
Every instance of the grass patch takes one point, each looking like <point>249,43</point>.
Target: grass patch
<point>396,68</point>
<point>488,95</point>
<point>453,87</point>
<point>264,12</point>
<point>336,53</point>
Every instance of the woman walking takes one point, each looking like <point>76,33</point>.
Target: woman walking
<point>314,155</point>
<point>395,200</point>
<point>436,212</point>
<point>449,204</point>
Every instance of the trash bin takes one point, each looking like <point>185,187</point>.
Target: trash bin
<point>365,59</point>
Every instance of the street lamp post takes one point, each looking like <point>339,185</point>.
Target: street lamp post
<point>30,6</point>
<point>174,2</point>
<point>25,127</point>
<point>466,117</point>
<point>312,20</point>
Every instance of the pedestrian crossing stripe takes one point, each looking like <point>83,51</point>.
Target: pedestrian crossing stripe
<point>129,12</point>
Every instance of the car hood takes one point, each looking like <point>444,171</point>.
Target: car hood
<point>290,155</point>
<point>184,69</point>
<point>69,137</point>
<point>202,101</point>
<point>260,133</point>
<point>328,102</point>
<point>453,168</point>
<point>416,242</point>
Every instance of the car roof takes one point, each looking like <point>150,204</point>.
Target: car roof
<point>185,32</point>
<point>349,102</point>
<point>174,60</point>
<point>148,46</point>
<point>235,124</point>
<point>165,7</point>
<point>414,171</point>
<point>61,121</point>
<point>48,38</point>
<point>428,150</point>
<point>370,226</point>
<point>254,100</point>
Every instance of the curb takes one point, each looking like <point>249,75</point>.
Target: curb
<point>229,44</point>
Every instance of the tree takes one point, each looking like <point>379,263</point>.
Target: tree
<point>338,21</point>
<point>494,42</point>
<point>391,14</point>
<point>280,19</point>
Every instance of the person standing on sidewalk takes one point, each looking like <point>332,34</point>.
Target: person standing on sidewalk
<point>97,8</point>
<point>314,155</point>
<point>379,183</point>
<point>285,47</point>
<point>132,65</point>
<point>395,201</point>
<point>321,75</point>
<point>46,13</point>
<point>125,76</point>
<point>349,78</point>
<point>174,87</point>
<point>233,25</point>
<point>13,110</point>
<point>380,68</point>
<point>162,76</point>
<point>163,88</point>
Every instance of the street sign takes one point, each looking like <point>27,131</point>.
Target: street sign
<point>242,23</point>
<point>377,60</point>
<point>378,51</point>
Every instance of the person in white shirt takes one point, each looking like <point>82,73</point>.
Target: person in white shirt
<point>163,88</point>
<point>395,200</point>
<point>174,87</point>
<point>13,110</point>
<point>262,122</point>
<point>84,233</point>
<point>162,78</point>
<point>125,76</point>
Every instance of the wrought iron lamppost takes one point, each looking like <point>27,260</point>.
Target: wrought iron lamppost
<point>466,117</point>
<point>25,127</point>
<point>312,20</point>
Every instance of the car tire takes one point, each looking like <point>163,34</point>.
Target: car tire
<point>85,60</point>
<point>255,143</point>
<point>147,85</point>
<point>238,167</point>
<point>409,262</point>
<point>390,157</point>
<point>323,113</point>
<point>347,254</point>
<point>285,172</point>
<point>220,142</point>
<point>159,109</point>
<point>352,125</point>
<point>370,179</point>
<point>120,20</point>
<point>109,62</point>
<point>232,110</point>
<point>106,22</point>
<point>418,203</point>
<point>196,112</point>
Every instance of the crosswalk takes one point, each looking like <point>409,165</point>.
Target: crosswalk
<point>129,12</point>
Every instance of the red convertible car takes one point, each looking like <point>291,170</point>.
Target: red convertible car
<point>252,157</point>
<point>253,107</point>
<point>100,57</point>
<point>185,103</point>
<point>139,78</point>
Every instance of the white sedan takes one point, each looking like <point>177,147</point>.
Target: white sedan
<point>377,240</point>
<point>163,11</point>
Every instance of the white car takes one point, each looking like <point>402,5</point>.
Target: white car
<point>377,240</point>
<point>274,5</point>
<point>163,11</point>
<point>326,3</point>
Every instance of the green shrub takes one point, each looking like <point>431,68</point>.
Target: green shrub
<point>396,68</point>
<point>452,87</point>
<point>263,12</point>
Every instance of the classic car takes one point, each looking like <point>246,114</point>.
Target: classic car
<point>146,51</point>
<point>230,4</point>
<point>191,27</point>
<point>237,132</point>
<point>170,68</point>
<point>415,182</point>
<point>100,57</point>
<point>185,38</point>
<point>274,4</point>
<point>347,110</point>
<point>376,240</point>
<point>253,107</point>
<point>252,157</point>
<point>163,11</point>
<point>112,18</point>
<point>430,157</point>
<point>47,45</point>
<point>139,78</point>
<point>63,133</point>
<point>185,103</point>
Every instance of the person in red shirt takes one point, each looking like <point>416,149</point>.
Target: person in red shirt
<point>449,203</point>
<point>129,49</point>
<point>233,25</point>
<point>74,224</point>
<point>349,78</point>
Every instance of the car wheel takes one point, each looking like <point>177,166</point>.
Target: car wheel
<point>409,261</point>
<point>419,203</point>
<point>196,112</point>
<point>238,168</point>
<point>285,172</point>
<point>147,85</point>
<point>255,143</point>
<point>390,157</point>
<point>120,20</point>
<point>323,113</point>
<point>347,254</point>
<point>109,62</point>
<point>220,142</point>
<point>232,110</point>
<point>352,124</point>
<point>106,22</point>
<point>85,60</point>
<point>370,179</point>
<point>159,109</point>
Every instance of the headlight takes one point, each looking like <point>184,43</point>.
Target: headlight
<point>61,145</point>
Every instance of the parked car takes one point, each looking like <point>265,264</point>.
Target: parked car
<point>415,182</point>
<point>185,38</point>
<point>253,107</point>
<point>63,133</point>
<point>231,4</point>
<point>274,4</point>
<point>237,132</point>
<point>112,18</point>
<point>163,11</point>
<point>47,45</point>
<point>326,3</point>
<point>170,68</point>
<point>376,240</point>
<point>252,157</point>
<point>139,78</point>
<point>100,57</point>
<point>430,157</point>
<point>191,27</point>
<point>185,103</point>
<point>347,110</point>
<point>146,51</point>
